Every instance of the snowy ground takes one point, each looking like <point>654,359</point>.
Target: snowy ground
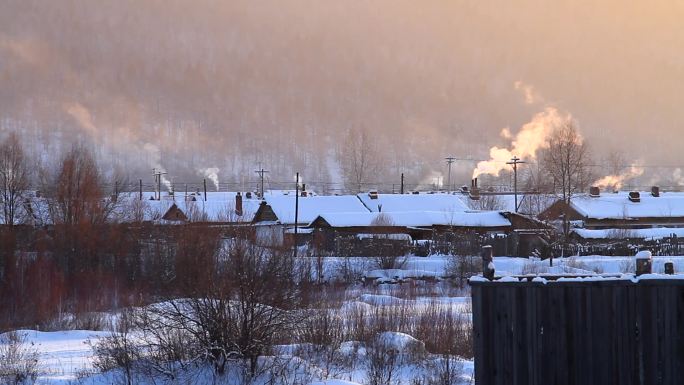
<point>65,356</point>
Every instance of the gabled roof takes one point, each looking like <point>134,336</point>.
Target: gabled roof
<point>618,206</point>
<point>473,219</point>
<point>442,202</point>
<point>219,207</point>
<point>310,207</point>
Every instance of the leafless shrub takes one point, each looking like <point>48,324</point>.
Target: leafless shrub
<point>445,330</point>
<point>628,266</point>
<point>282,370</point>
<point>357,324</point>
<point>487,202</point>
<point>462,267</point>
<point>322,331</point>
<point>444,370</point>
<point>621,234</point>
<point>90,321</point>
<point>350,270</point>
<point>382,363</point>
<point>119,351</point>
<point>238,312</point>
<point>577,263</point>
<point>18,360</point>
<point>531,267</point>
<point>387,252</point>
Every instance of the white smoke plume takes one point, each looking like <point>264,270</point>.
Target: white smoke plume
<point>155,162</point>
<point>529,93</point>
<point>677,177</point>
<point>531,137</point>
<point>616,182</point>
<point>434,179</point>
<point>83,117</point>
<point>211,173</point>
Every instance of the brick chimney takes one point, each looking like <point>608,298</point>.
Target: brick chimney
<point>238,204</point>
<point>655,191</point>
<point>594,192</point>
<point>474,190</point>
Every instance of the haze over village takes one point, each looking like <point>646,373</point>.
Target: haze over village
<point>341,193</point>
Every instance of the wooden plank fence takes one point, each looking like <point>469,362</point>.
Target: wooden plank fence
<point>579,332</point>
<point>664,247</point>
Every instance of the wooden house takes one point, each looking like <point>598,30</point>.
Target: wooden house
<point>622,210</point>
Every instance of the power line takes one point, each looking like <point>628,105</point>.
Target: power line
<point>261,173</point>
<point>515,161</point>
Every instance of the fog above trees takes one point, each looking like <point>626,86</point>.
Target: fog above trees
<point>193,85</point>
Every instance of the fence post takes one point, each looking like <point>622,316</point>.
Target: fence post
<point>488,262</point>
<point>669,268</point>
<point>643,263</point>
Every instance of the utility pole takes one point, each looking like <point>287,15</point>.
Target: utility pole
<point>261,173</point>
<point>449,160</point>
<point>515,161</point>
<point>157,178</point>
<point>296,213</point>
<point>401,191</point>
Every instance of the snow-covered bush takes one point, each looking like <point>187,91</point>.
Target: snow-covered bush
<point>18,360</point>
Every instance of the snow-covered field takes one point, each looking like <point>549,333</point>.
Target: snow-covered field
<point>63,355</point>
<point>66,357</point>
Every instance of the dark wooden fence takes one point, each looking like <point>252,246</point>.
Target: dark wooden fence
<point>597,332</point>
<point>664,247</point>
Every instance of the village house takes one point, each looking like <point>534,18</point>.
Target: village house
<point>275,218</point>
<point>444,220</point>
<point>621,210</point>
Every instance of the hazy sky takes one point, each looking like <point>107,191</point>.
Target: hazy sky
<point>231,83</point>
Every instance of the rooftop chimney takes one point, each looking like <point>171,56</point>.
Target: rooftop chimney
<point>655,191</point>
<point>594,191</point>
<point>303,193</point>
<point>373,194</point>
<point>238,204</point>
<point>474,190</point>
<point>635,197</point>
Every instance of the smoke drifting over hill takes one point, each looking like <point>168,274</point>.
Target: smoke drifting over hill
<point>228,85</point>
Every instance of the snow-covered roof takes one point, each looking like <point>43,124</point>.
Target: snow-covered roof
<point>414,202</point>
<point>418,219</point>
<point>654,233</point>
<point>618,206</point>
<point>312,206</point>
<point>219,206</point>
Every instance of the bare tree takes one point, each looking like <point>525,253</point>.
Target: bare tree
<point>487,202</point>
<point>239,311</point>
<point>14,178</point>
<point>615,162</point>
<point>359,159</point>
<point>79,197</point>
<point>567,163</point>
